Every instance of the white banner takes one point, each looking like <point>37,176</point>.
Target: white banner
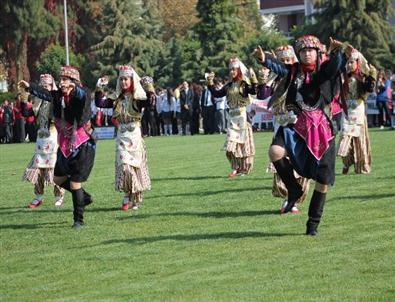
<point>371,107</point>
<point>105,132</point>
<point>262,114</point>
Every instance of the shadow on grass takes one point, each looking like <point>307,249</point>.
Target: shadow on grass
<point>34,226</point>
<point>56,210</point>
<point>206,214</point>
<point>195,237</point>
<point>187,178</point>
<point>208,193</point>
<point>362,198</point>
<point>12,208</point>
<point>26,210</point>
<point>111,209</point>
<point>206,177</point>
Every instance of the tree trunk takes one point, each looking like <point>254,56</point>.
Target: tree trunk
<point>17,62</point>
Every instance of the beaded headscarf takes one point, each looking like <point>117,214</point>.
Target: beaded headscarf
<point>70,72</point>
<point>47,79</point>
<point>286,52</point>
<point>307,41</point>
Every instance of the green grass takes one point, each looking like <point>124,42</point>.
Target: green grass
<point>199,236</point>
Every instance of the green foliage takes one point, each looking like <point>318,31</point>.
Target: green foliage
<point>220,34</point>
<point>170,74</point>
<point>128,37</point>
<point>363,23</point>
<point>7,96</point>
<point>54,57</point>
<point>19,17</point>
<point>192,53</point>
<point>248,13</point>
<point>181,61</point>
<point>230,28</point>
<point>267,39</point>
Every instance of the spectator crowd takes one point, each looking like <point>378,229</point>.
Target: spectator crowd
<point>187,109</point>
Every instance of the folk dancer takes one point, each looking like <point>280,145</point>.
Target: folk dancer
<point>76,152</point>
<point>303,94</point>
<point>40,171</point>
<point>239,145</point>
<point>131,169</point>
<point>354,145</point>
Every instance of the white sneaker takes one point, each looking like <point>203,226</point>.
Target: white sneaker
<point>59,201</point>
<point>295,210</point>
<point>284,205</point>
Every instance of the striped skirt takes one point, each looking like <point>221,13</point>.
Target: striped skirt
<point>279,189</point>
<point>131,179</point>
<point>36,175</point>
<point>356,151</point>
<point>241,156</point>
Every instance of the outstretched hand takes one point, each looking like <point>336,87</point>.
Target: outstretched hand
<point>349,50</point>
<point>259,54</point>
<point>23,84</point>
<point>209,78</point>
<point>333,44</point>
<point>101,82</point>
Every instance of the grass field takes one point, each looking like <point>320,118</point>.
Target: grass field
<point>199,236</point>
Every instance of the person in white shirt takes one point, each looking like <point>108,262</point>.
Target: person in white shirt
<point>220,108</point>
<point>176,109</point>
<point>158,105</point>
<point>166,107</point>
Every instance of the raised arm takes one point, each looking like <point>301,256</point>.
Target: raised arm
<point>271,62</point>
<point>40,92</point>
<point>218,93</point>
<point>331,68</point>
<point>81,94</point>
<point>276,66</point>
<point>101,100</point>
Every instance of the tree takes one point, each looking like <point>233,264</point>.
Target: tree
<point>231,28</point>
<point>54,57</point>
<point>181,61</point>
<point>23,21</point>
<point>220,33</point>
<point>363,23</point>
<point>248,12</point>
<point>129,36</point>
<point>178,16</point>
<point>268,39</point>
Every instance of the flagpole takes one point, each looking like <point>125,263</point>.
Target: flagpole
<point>66,33</point>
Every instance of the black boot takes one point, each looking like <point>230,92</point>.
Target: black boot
<point>315,212</point>
<point>79,206</point>
<point>87,197</point>
<point>285,171</point>
<point>66,185</point>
